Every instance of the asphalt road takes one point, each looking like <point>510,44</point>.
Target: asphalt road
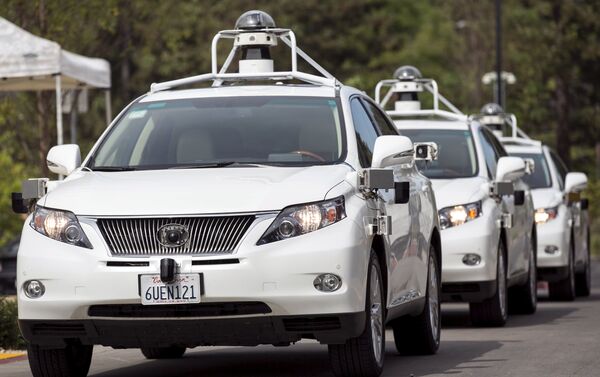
<point>561,339</point>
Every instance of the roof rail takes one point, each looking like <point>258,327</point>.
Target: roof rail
<point>218,76</point>
<point>508,118</point>
<point>429,85</point>
<point>520,141</point>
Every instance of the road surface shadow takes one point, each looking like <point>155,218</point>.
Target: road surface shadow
<point>458,316</point>
<point>453,357</point>
<point>307,360</point>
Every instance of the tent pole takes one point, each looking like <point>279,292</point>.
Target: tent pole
<point>59,124</point>
<point>108,107</point>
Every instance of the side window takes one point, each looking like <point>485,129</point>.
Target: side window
<point>490,154</point>
<point>365,132</point>
<point>561,167</point>
<point>382,122</point>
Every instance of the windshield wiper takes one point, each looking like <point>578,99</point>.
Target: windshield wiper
<point>113,168</point>
<point>216,165</point>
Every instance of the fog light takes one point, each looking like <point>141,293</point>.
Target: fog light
<point>471,259</point>
<point>551,249</point>
<point>34,289</point>
<point>328,282</point>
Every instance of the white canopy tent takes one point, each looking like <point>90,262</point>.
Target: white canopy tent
<point>28,62</point>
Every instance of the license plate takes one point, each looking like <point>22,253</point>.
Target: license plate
<point>185,289</point>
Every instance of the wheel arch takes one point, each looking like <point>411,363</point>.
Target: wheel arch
<point>378,246</point>
<point>436,241</point>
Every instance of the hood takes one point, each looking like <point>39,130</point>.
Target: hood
<point>451,192</point>
<point>193,191</point>
<point>546,197</point>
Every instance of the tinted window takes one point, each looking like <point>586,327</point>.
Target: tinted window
<point>279,130</point>
<point>561,167</point>
<point>365,132</point>
<point>541,174</point>
<point>456,153</point>
<point>490,153</point>
<point>382,122</point>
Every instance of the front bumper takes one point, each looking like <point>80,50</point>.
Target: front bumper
<point>246,331</point>
<point>555,233</point>
<point>279,274</point>
<point>461,282</point>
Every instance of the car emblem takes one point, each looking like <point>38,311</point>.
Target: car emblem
<point>173,235</point>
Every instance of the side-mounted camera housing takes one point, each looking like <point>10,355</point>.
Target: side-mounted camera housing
<point>426,151</point>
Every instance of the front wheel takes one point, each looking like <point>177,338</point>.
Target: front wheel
<point>363,356</point>
<point>523,298</point>
<point>72,361</point>
<point>583,280</point>
<point>492,311</point>
<point>420,335</point>
<point>564,290</point>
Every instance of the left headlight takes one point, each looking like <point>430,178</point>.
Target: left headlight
<point>61,226</point>
<point>304,218</point>
<point>458,215</point>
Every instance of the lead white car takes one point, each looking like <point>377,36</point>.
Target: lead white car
<point>242,214</point>
<point>486,211</point>
<point>562,221</point>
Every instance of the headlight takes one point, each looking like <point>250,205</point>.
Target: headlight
<point>458,215</point>
<point>59,225</point>
<point>305,218</point>
<point>543,215</point>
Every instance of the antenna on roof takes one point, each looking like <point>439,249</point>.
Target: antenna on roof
<point>254,35</point>
<point>405,88</point>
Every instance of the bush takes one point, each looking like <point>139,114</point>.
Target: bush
<point>593,194</point>
<point>10,336</point>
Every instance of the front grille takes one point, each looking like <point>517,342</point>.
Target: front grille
<point>58,329</point>
<point>207,235</point>
<point>311,324</point>
<point>179,311</point>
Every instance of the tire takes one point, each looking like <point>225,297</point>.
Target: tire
<point>523,299</point>
<point>71,361</point>
<point>420,335</point>
<point>173,352</point>
<point>492,312</point>
<point>564,290</point>
<point>363,356</point>
<point>583,280</point>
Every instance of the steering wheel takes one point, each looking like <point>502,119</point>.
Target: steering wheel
<point>310,154</point>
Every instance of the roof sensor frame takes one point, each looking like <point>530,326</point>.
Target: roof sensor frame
<point>430,86</point>
<point>218,76</point>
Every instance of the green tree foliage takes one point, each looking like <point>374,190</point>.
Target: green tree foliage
<point>552,46</point>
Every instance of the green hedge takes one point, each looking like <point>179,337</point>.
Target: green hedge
<point>10,336</point>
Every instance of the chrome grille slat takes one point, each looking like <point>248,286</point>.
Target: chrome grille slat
<point>207,234</point>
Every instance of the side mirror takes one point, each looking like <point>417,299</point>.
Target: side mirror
<point>426,151</point>
<point>575,182</point>
<point>529,166</point>
<point>509,169</point>
<point>392,150</point>
<point>63,159</point>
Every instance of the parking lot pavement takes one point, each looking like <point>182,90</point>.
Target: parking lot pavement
<point>561,339</point>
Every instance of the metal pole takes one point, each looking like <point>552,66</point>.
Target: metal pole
<point>108,107</point>
<point>499,96</point>
<point>59,124</point>
<point>73,122</point>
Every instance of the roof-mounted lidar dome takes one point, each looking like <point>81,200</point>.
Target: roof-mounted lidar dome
<point>492,109</point>
<point>407,73</point>
<point>254,20</point>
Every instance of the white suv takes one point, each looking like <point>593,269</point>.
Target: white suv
<point>486,211</point>
<point>238,214</point>
<point>562,221</point>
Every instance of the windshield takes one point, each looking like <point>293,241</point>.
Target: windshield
<point>541,174</point>
<point>456,153</point>
<point>285,131</point>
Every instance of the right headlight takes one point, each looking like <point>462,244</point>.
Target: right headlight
<point>59,225</point>
<point>458,215</point>
<point>543,215</point>
<point>305,218</point>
